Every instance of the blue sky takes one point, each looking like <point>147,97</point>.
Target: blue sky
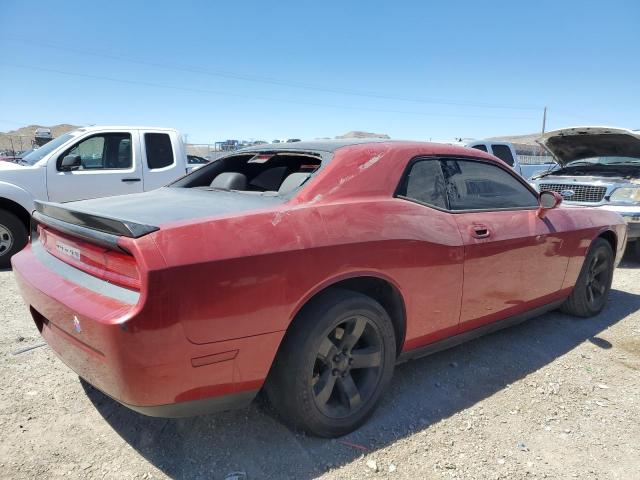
<point>265,70</point>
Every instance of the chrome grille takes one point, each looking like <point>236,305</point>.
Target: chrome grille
<point>582,193</point>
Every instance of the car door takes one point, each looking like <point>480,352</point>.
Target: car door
<point>109,166</point>
<point>513,260</point>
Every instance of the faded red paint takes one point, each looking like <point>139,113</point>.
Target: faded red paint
<point>234,284</point>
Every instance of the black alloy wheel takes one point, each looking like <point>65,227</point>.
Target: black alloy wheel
<point>347,367</point>
<point>597,277</point>
<point>590,293</point>
<point>334,363</point>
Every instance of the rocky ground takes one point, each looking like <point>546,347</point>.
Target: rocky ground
<point>556,397</point>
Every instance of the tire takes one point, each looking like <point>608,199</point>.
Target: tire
<point>334,364</point>
<point>13,237</point>
<point>590,293</point>
<point>636,249</point>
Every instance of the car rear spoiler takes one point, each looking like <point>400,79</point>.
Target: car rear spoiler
<point>94,228</point>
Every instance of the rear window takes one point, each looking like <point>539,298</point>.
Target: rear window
<point>480,147</point>
<point>269,173</point>
<point>503,152</point>
<point>159,150</point>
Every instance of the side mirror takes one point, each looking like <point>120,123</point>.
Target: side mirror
<point>548,200</point>
<point>70,162</point>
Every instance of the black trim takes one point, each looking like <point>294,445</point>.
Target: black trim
<point>193,408</point>
<point>90,221</point>
<point>93,236</point>
<point>476,332</point>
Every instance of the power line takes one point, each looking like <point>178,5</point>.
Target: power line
<point>252,97</point>
<point>272,81</point>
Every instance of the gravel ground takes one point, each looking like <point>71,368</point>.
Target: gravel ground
<point>556,397</point>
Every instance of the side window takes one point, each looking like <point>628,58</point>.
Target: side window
<point>425,183</point>
<point>159,150</point>
<point>503,152</point>
<point>478,185</point>
<point>480,147</point>
<point>107,151</point>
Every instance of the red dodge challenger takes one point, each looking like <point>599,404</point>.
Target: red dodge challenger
<point>308,270</point>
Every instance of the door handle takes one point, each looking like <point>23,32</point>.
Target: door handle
<point>130,179</point>
<point>480,231</point>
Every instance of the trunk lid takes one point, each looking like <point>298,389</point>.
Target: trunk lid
<point>139,214</point>
<point>88,234</point>
<point>576,143</point>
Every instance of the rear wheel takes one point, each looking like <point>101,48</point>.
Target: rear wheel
<point>334,364</point>
<point>13,237</point>
<point>589,295</point>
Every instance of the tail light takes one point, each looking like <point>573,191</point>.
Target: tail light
<point>110,265</point>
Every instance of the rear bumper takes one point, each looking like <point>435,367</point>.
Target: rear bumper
<point>127,347</point>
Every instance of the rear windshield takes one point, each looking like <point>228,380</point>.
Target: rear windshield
<point>267,173</point>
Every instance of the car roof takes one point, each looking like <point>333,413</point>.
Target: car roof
<point>314,145</point>
<point>330,146</point>
<point>92,128</point>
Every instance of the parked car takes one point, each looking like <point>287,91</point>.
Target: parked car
<point>599,167</point>
<point>42,136</point>
<point>325,264</point>
<point>24,153</point>
<point>86,163</point>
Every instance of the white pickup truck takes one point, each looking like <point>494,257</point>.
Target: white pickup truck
<point>86,163</point>
<point>503,150</point>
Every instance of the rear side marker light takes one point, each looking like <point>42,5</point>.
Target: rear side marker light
<point>215,358</point>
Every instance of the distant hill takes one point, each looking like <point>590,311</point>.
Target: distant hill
<point>524,144</point>
<point>359,134</point>
<point>21,138</point>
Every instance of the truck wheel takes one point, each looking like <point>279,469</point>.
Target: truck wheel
<point>590,293</point>
<point>334,363</point>
<point>13,237</point>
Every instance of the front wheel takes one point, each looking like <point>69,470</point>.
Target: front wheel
<point>334,364</point>
<point>590,293</point>
<point>13,237</point>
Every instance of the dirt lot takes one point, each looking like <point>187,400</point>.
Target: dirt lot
<point>556,397</point>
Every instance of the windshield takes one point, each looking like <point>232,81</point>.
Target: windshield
<point>39,153</point>
<point>597,161</point>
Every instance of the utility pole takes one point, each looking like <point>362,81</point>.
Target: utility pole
<point>544,120</point>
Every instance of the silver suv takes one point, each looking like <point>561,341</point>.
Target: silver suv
<point>597,166</point>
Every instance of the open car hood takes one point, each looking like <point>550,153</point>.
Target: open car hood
<point>569,144</point>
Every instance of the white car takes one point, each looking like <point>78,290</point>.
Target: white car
<point>89,162</point>
<point>597,167</point>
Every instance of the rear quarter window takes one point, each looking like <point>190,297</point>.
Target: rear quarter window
<point>425,183</point>
<point>159,150</point>
<point>503,152</point>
